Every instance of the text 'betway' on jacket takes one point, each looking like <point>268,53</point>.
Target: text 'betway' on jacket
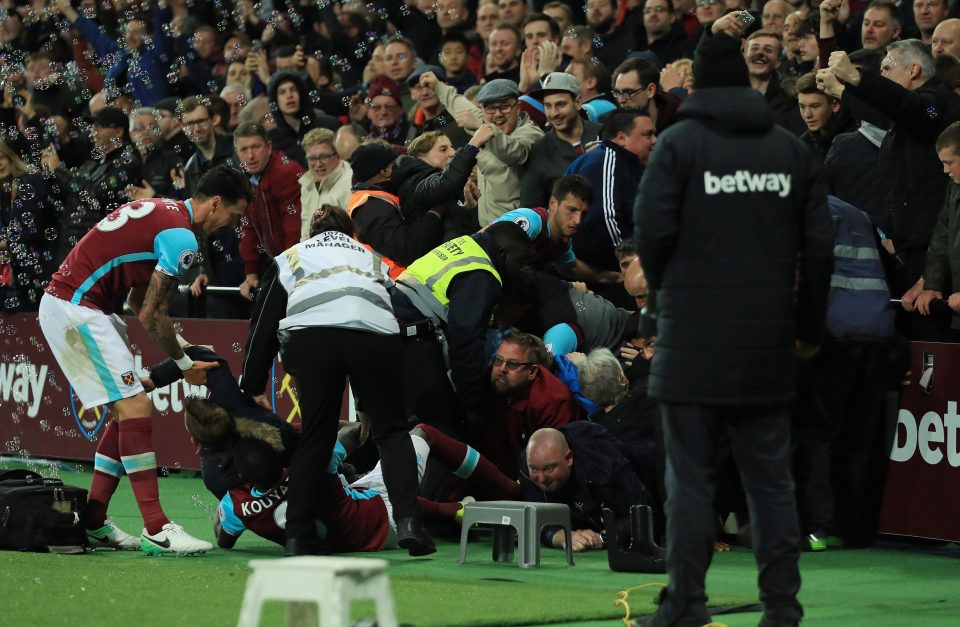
<point>728,204</point>
<point>745,181</point>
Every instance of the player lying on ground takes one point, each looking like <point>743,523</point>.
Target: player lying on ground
<point>356,516</point>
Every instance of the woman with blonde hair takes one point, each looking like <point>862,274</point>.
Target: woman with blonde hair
<point>327,179</point>
<point>433,177</point>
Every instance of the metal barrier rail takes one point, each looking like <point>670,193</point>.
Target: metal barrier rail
<point>938,307</point>
<point>212,289</point>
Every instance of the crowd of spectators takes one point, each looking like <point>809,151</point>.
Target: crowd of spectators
<point>427,121</point>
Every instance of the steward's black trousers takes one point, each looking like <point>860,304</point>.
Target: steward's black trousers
<point>321,359</point>
<point>759,436</point>
<point>839,429</point>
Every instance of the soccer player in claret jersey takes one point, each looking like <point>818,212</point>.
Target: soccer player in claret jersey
<point>138,252</point>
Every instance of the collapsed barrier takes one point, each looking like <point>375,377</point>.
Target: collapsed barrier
<point>41,417</point>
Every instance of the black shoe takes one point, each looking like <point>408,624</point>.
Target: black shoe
<point>295,547</point>
<point>414,538</point>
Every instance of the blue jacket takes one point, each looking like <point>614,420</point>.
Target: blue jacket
<point>615,174</point>
<point>148,78</point>
<point>858,308</point>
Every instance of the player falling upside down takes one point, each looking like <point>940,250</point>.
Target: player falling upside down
<point>356,516</point>
<point>138,252</point>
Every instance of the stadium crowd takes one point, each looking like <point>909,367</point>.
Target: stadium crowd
<point>431,131</point>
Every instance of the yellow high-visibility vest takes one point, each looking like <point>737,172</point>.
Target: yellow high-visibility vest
<point>438,267</point>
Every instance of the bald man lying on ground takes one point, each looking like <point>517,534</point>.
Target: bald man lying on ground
<point>583,466</point>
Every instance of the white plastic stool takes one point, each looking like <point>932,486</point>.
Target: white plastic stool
<point>331,582</point>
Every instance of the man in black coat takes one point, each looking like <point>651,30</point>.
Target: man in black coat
<point>921,107</point>
<point>376,211</point>
<point>734,234</point>
<point>852,170</point>
<point>292,104</point>
<point>583,466</point>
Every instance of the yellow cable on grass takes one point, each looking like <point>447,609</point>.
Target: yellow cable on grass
<point>624,595</point>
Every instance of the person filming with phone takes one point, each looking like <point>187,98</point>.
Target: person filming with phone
<point>763,55</point>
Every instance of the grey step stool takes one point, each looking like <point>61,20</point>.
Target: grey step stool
<point>330,582</point>
<point>528,519</point>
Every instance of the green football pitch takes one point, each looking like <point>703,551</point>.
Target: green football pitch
<point>862,587</point>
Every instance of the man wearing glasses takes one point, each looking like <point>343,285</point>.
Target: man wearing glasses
<point>636,83</point>
<point>327,179</point>
<point>502,159</point>
<point>385,116</point>
<point>527,397</point>
<point>709,11</point>
<point>663,34</point>
<point>221,265</point>
<point>199,122</point>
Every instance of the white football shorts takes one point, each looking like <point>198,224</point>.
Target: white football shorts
<point>92,349</point>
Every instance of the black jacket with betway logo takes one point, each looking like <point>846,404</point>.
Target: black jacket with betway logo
<point>729,205</point>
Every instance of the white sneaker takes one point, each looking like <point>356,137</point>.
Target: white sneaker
<point>172,540</point>
<point>110,536</point>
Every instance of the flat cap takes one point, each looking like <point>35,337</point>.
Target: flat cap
<point>498,89</point>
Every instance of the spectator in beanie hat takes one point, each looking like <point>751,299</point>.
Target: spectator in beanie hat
<point>375,209</point>
<point>385,117</point>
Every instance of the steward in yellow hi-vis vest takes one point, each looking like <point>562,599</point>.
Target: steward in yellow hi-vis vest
<point>324,305</point>
<point>431,274</point>
<point>444,301</point>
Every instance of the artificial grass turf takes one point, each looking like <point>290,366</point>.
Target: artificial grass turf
<point>869,587</point>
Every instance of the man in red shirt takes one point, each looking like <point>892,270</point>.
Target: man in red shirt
<point>528,397</point>
<point>272,223</point>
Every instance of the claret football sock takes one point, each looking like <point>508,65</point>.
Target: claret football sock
<point>435,508</point>
<point>140,462</point>
<point>469,464</point>
<point>107,471</point>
